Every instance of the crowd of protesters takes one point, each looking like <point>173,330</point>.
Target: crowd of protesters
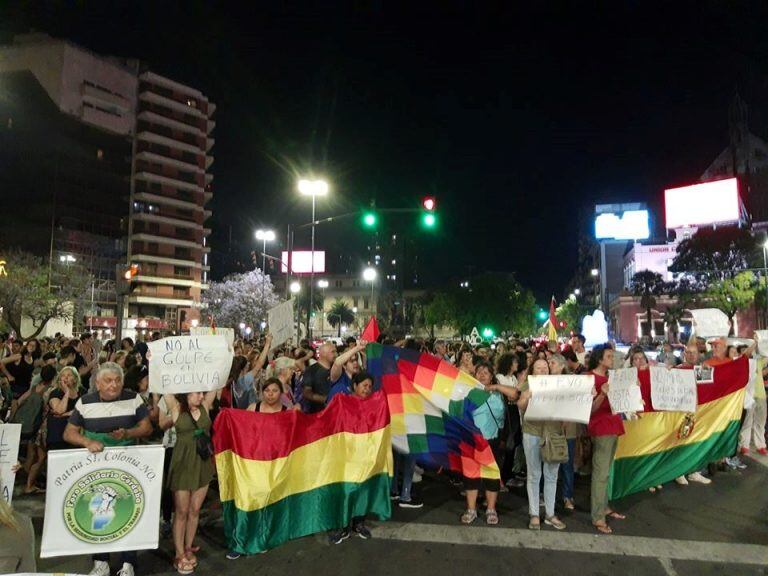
<point>60,389</point>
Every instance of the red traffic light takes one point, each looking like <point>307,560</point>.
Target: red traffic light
<point>429,203</point>
<point>131,271</point>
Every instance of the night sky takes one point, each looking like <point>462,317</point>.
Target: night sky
<point>514,120</point>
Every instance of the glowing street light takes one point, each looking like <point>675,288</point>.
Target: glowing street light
<point>295,287</point>
<point>265,236</point>
<point>313,188</point>
<point>322,284</point>
<point>594,272</point>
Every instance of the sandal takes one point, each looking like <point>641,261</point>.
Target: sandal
<point>555,522</point>
<point>534,525</point>
<point>190,557</point>
<point>469,516</point>
<point>491,517</point>
<point>615,515</point>
<point>182,566</point>
<point>568,504</point>
<point>602,527</point>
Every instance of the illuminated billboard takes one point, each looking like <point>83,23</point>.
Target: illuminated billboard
<point>702,204</point>
<point>301,262</point>
<point>624,225</point>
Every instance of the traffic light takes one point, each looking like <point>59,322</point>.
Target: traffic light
<point>370,219</point>
<point>487,333</point>
<point>542,314</point>
<point>428,215</point>
<point>125,278</point>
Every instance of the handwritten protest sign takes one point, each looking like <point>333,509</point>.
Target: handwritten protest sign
<point>673,390</point>
<point>762,342</point>
<point>188,364</point>
<point>102,502</point>
<point>624,391</point>
<point>228,333</point>
<point>10,435</point>
<point>709,322</point>
<point>565,397</point>
<point>281,323</point>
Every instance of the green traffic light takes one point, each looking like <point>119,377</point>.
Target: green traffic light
<point>542,315</point>
<point>487,333</point>
<point>429,220</point>
<point>369,219</point>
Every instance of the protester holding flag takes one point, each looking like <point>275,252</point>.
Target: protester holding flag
<point>191,470</point>
<point>605,428</point>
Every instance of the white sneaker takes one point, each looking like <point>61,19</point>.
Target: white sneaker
<point>416,477</point>
<point>101,568</point>
<point>682,480</point>
<point>126,570</point>
<point>697,477</point>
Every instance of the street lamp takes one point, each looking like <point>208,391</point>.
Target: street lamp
<point>577,291</point>
<point>312,188</point>
<point>322,284</point>
<point>295,288</point>
<point>765,267</point>
<point>369,275</point>
<point>265,236</point>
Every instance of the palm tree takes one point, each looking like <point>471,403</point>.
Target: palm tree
<point>340,313</point>
<point>648,285</point>
<point>673,315</point>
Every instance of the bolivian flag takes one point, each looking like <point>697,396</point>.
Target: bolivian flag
<point>288,475</point>
<point>661,446</point>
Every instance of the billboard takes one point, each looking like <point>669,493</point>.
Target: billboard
<point>301,262</point>
<point>622,225</point>
<point>703,204</point>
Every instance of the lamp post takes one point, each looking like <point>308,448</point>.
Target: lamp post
<point>295,289</point>
<point>765,269</point>
<point>312,188</point>
<point>322,284</point>
<point>265,236</point>
<point>369,275</point>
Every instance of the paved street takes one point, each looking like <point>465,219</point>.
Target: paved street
<point>695,530</point>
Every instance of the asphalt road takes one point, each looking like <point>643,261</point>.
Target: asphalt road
<point>720,529</point>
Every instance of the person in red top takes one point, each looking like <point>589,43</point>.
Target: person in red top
<point>604,428</point>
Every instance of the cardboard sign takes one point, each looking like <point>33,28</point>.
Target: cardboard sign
<point>102,502</point>
<point>704,374</point>
<point>179,364</point>
<point>564,397</point>
<point>10,436</point>
<point>282,323</point>
<point>624,393</point>
<point>228,333</point>
<point>673,390</point>
<point>710,322</point>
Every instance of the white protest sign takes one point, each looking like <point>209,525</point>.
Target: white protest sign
<point>762,342</point>
<point>673,390</point>
<point>102,502</point>
<point>565,397</point>
<point>10,436</point>
<point>709,322</point>
<point>624,391</point>
<point>282,323</point>
<point>180,364</point>
<point>228,333</point>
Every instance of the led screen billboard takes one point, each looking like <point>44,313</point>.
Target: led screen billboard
<point>627,225</point>
<point>702,204</point>
<point>301,262</point>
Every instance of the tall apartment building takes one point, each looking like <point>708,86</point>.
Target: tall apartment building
<point>104,162</point>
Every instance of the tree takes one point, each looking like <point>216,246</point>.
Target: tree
<point>241,298</point>
<point>439,311</point>
<point>571,312</point>
<point>648,285</point>
<point>732,294</point>
<point>340,313</point>
<point>28,289</point>
<point>715,254</point>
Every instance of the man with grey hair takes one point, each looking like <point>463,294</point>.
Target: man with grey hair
<point>111,416</point>
<point>317,378</point>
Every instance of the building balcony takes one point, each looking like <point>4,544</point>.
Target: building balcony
<point>209,143</point>
<point>160,300</point>
<point>106,99</point>
<point>145,217</point>
<point>171,281</point>
<point>159,80</point>
<point>170,122</point>
<point>211,108</point>
<point>166,201</point>
<point>208,161</point>
<point>211,126</point>
<point>170,142</point>
<point>147,256</point>
<point>168,161</point>
<point>155,98</point>
<point>168,241</point>
<point>168,181</point>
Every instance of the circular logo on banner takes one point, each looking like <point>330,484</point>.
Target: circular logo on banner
<point>103,506</point>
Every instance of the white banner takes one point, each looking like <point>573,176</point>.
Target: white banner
<point>282,323</point>
<point>624,391</point>
<point>710,322</point>
<point>762,342</point>
<point>102,502</point>
<point>228,333</point>
<point>565,397</point>
<point>10,436</point>
<point>673,390</point>
<point>180,364</point>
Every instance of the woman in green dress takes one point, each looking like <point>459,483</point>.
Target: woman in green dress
<point>189,473</point>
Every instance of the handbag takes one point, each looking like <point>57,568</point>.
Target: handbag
<point>555,448</point>
<point>203,443</point>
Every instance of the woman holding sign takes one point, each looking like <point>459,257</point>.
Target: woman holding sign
<point>605,429</point>
<point>535,433</point>
<point>191,470</point>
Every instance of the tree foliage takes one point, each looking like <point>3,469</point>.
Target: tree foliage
<point>648,285</point>
<point>732,294</point>
<point>26,290</point>
<point>340,312</point>
<point>571,312</point>
<point>241,298</point>
<point>715,254</point>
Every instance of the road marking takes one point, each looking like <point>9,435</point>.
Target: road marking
<point>666,563</point>
<point>660,548</point>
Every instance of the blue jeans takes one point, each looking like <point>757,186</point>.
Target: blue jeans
<point>405,465</point>
<point>532,447</point>
<point>566,470</point>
